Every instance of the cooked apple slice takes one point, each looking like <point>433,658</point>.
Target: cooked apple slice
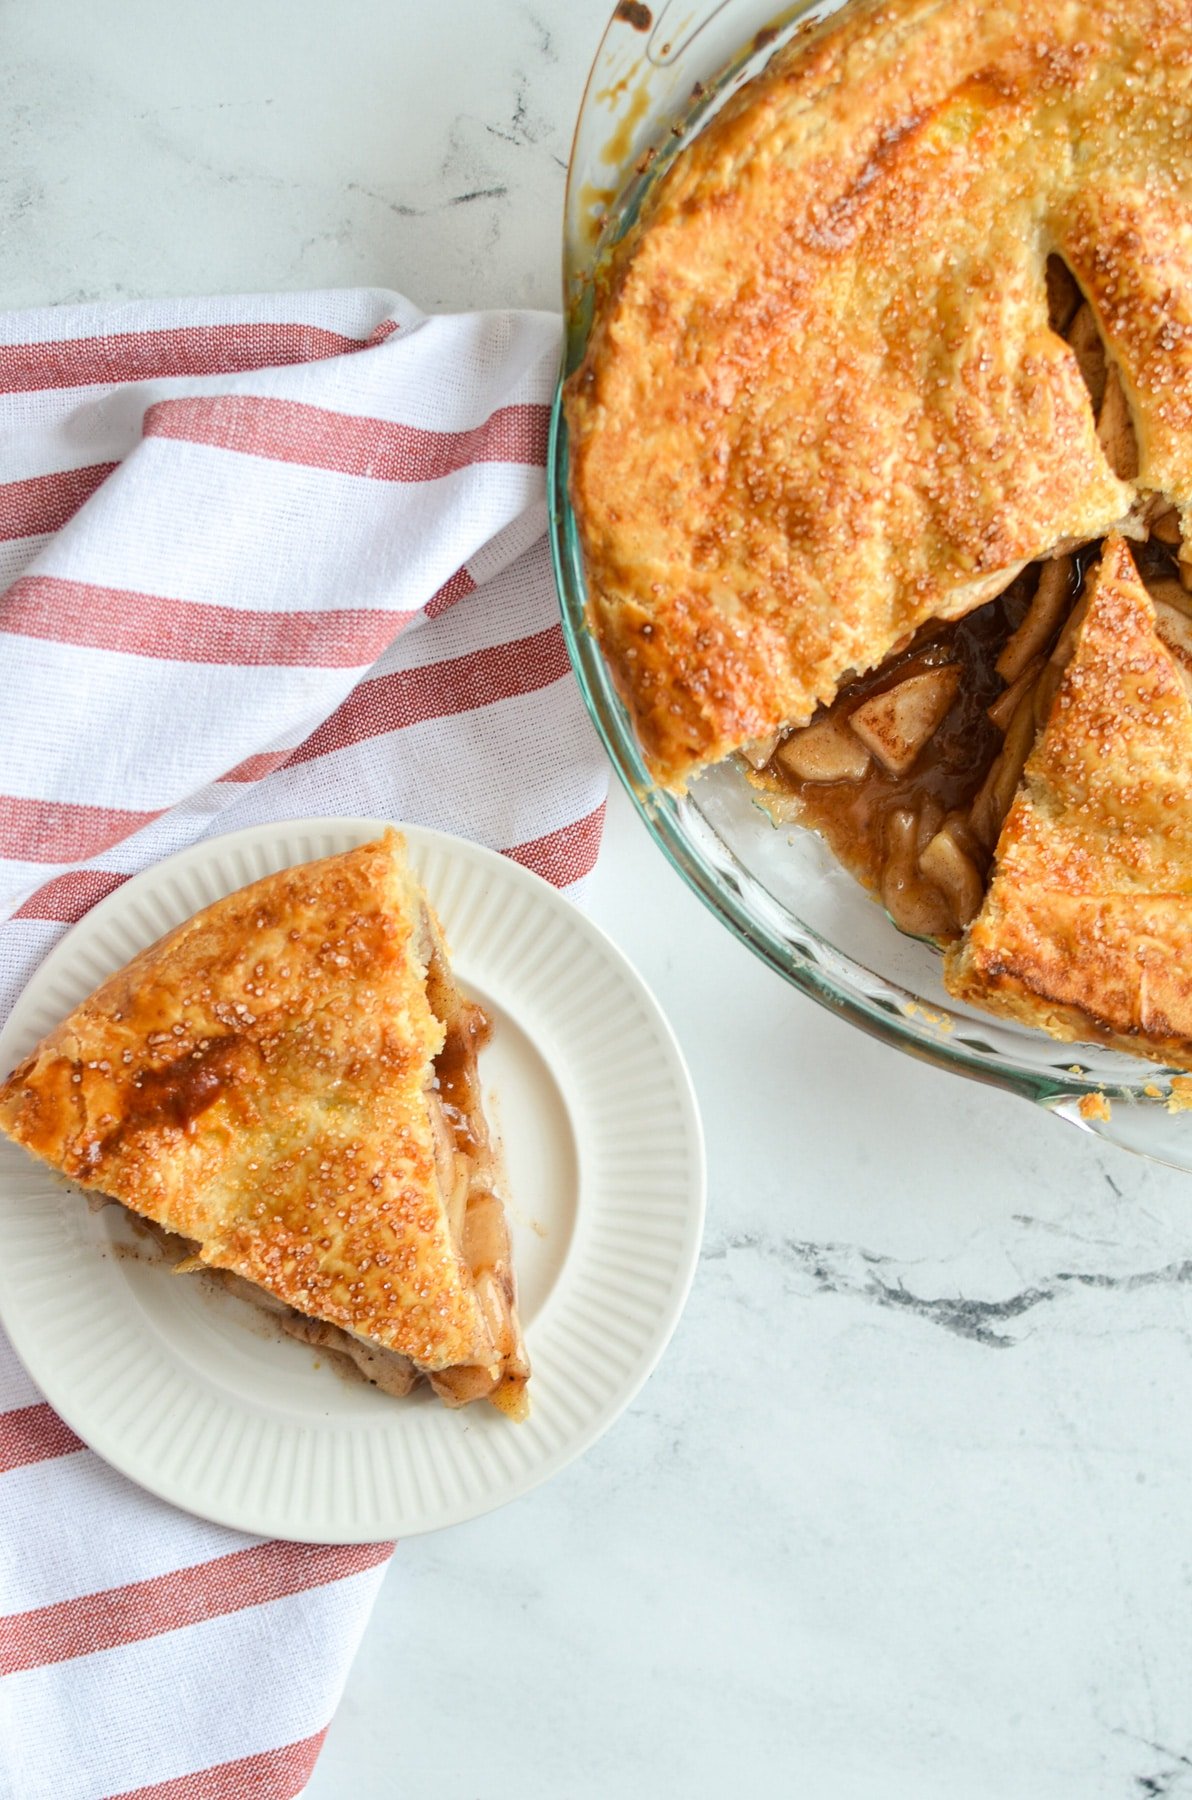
<point>1115,429</point>
<point>1173,621</point>
<point>1166,526</point>
<point>1042,620</point>
<point>1086,345</point>
<point>897,723</point>
<point>1005,706</point>
<point>824,751</point>
<point>955,875</point>
<point>1175,628</point>
<point>913,902</point>
<point>758,751</point>
<point>992,801</point>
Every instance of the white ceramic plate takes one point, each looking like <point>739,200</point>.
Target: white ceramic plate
<point>190,1392</point>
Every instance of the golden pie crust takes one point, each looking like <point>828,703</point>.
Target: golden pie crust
<point>268,1084</point>
<point>821,401</point>
<point>1086,927</point>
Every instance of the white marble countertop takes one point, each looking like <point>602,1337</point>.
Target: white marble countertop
<point>904,1513</point>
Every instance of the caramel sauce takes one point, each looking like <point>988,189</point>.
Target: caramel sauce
<point>179,1093</point>
<point>456,1075</point>
<point>172,1097</point>
<point>619,145</point>
<point>510,1397</point>
<point>467,1029</point>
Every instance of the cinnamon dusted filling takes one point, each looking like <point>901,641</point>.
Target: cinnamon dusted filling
<point>910,772</point>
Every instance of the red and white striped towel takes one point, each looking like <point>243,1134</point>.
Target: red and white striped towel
<point>259,558</point>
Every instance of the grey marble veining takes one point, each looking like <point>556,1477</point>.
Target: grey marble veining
<point>858,1273</point>
<point>904,1514</point>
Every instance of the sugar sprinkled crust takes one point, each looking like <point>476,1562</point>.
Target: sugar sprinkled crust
<point>1086,929</point>
<point>821,401</point>
<point>255,1082</point>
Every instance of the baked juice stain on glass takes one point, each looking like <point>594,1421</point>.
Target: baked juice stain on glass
<point>631,12</point>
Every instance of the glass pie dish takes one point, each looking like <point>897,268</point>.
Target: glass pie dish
<point>661,72</point>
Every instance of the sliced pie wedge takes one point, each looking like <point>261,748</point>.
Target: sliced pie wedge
<point>1086,927</point>
<point>286,1088</point>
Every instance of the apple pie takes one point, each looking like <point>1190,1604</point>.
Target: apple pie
<point>285,1091</point>
<point>896,352</point>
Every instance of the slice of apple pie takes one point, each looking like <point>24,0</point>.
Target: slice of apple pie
<point>285,1089</point>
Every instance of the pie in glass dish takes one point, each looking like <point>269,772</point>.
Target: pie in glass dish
<point>285,1091</point>
<point>887,395</point>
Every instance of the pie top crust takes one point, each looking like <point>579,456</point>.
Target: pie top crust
<point>257,1083</point>
<point>821,402</point>
<point>1086,928</point>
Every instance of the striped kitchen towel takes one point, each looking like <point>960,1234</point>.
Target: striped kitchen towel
<point>259,558</point>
